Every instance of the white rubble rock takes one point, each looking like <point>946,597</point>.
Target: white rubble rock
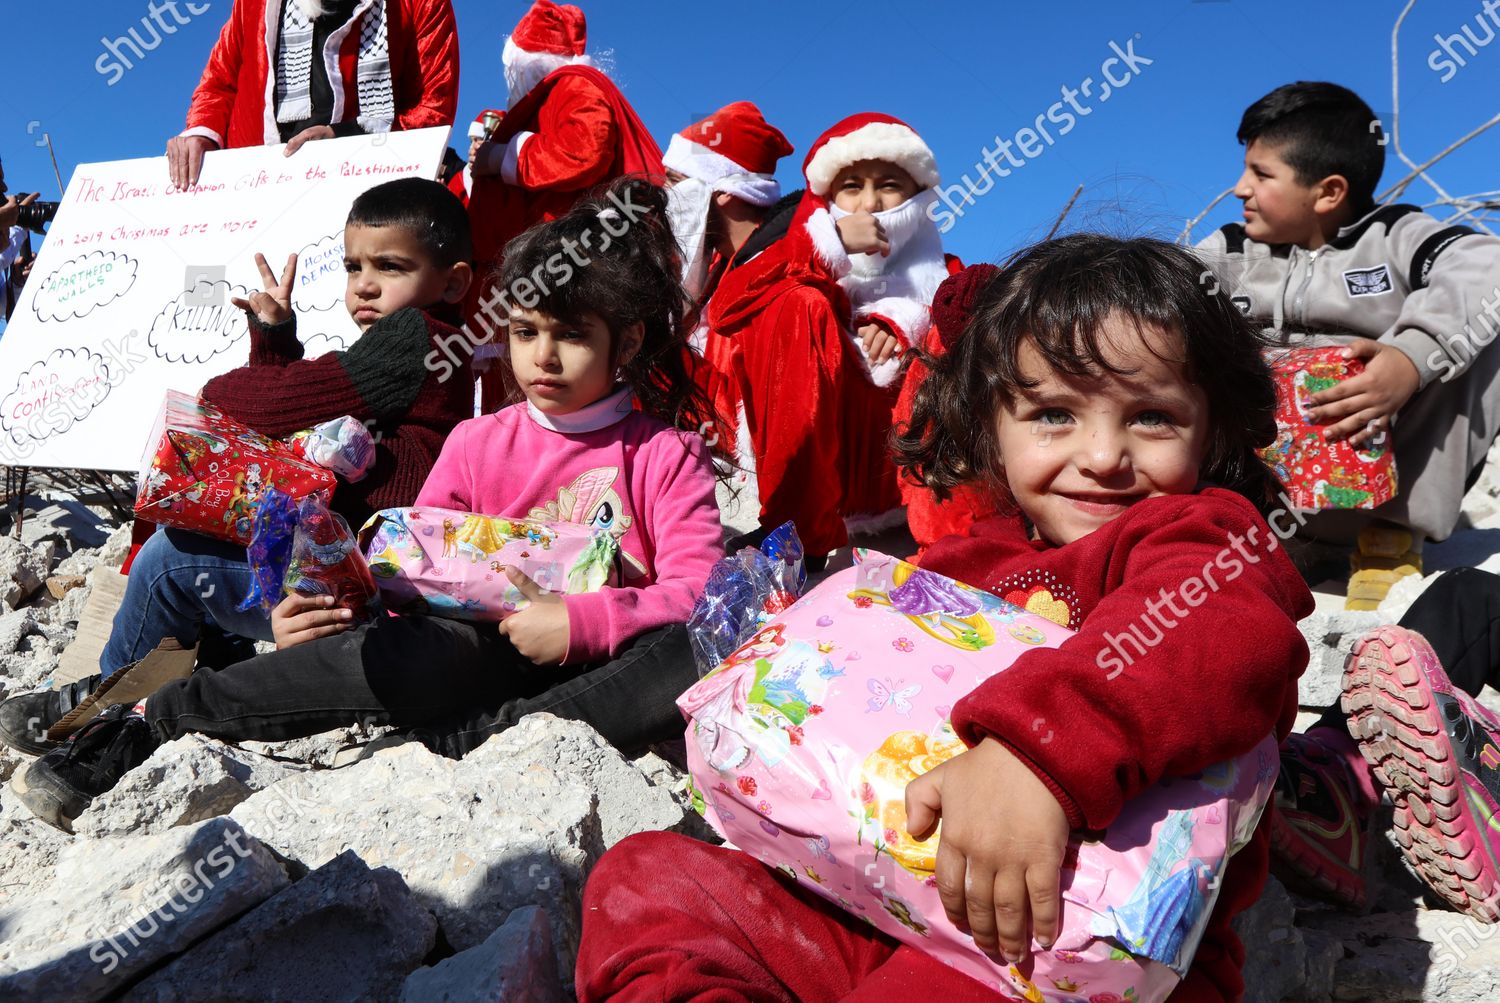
<point>28,847</point>
<point>515,965</point>
<point>521,820</point>
<point>344,932</point>
<point>1278,959</point>
<point>319,750</point>
<point>1418,955</point>
<point>107,910</point>
<point>182,782</point>
<point>629,802</point>
<point>1330,639</point>
<point>66,522</point>
<point>474,839</point>
<point>112,554</point>
<point>22,570</point>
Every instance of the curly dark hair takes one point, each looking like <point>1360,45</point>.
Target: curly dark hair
<point>613,254</point>
<point>1057,295</point>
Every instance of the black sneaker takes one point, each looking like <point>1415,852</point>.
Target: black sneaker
<point>24,720</point>
<point>59,786</point>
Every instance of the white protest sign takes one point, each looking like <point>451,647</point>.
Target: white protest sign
<point>130,295</point>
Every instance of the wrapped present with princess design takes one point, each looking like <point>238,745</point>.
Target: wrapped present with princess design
<point>801,744</point>
<point>1319,474</point>
<point>206,472</point>
<point>446,563</point>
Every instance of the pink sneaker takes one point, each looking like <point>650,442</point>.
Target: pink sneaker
<point>1320,818</point>
<point>1437,752</point>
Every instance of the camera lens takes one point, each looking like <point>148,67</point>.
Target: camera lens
<point>36,215</point>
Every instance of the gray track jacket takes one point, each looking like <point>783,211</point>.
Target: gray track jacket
<point>1397,275</point>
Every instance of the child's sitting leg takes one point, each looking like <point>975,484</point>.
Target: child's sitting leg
<point>630,701</point>
<point>715,924</point>
<point>1433,749</point>
<point>179,582</point>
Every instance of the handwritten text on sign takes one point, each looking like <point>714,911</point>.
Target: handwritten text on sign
<point>130,294</point>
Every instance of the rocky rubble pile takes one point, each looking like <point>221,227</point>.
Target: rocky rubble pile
<point>256,872</point>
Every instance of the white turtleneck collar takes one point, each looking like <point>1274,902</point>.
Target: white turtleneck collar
<point>602,413</point>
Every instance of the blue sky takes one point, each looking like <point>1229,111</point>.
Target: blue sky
<point>1151,155</point>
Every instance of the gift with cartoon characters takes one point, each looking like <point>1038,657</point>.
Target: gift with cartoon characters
<point>446,563</point>
<point>204,471</point>
<point>802,742</point>
<point>1319,474</point>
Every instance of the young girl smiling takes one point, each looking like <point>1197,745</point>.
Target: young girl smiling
<point>1123,406</point>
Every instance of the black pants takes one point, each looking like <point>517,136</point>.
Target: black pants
<point>1459,615</point>
<point>454,683</point>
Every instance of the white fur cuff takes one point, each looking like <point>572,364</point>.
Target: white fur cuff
<point>827,243</point>
<point>511,163</point>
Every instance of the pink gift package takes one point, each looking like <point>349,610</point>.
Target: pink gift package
<point>447,563</point>
<point>801,744</point>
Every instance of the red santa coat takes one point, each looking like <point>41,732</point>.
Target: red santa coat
<point>234,104</point>
<point>572,131</point>
<point>785,378</point>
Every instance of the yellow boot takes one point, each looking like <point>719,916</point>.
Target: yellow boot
<point>1384,555</point>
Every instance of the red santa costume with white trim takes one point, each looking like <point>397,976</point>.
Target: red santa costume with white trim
<point>393,66</point>
<point>895,289</point>
<point>734,151</point>
<point>568,129</point>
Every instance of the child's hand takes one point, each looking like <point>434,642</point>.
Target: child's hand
<point>862,233</point>
<point>540,631</point>
<point>298,619</point>
<point>1364,406</point>
<point>878,341</point>
<point>1001,850</point>
<point>274,306</point>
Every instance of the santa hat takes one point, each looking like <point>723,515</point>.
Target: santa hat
<point>868,136</point>
<point>477,129</point>
<point>551,29</point>
<point>734,150</point>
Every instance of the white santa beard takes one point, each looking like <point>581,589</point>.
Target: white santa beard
<point>314,9</point>
<point>688,203</point>
<point>915,266</point>
<point>524,70</point>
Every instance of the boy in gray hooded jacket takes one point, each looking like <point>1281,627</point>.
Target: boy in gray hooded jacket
<point>1415,298</point>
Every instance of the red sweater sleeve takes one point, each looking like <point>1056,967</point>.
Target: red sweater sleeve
<point>377,378</point>
<point>1190,657</point>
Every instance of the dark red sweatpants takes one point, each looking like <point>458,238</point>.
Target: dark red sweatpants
<point>667,918</point>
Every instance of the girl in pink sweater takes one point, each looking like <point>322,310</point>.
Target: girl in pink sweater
<point>599,355</point>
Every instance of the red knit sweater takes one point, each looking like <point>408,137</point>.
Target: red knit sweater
<point>1187,654</point>
<point>381,380</point>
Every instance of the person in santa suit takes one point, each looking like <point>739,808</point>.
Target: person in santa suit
<point>290,71</point>
<point>726,207</point>
<point>567,129</point>
<point>871,183</point>
<point>803,323</point>
<point>479,130</point>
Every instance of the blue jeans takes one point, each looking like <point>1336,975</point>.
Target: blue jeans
<point>179,583</point>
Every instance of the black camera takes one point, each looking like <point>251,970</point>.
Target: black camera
<point>35,216</point>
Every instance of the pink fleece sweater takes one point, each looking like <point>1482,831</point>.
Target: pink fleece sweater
<point>607,466</point>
